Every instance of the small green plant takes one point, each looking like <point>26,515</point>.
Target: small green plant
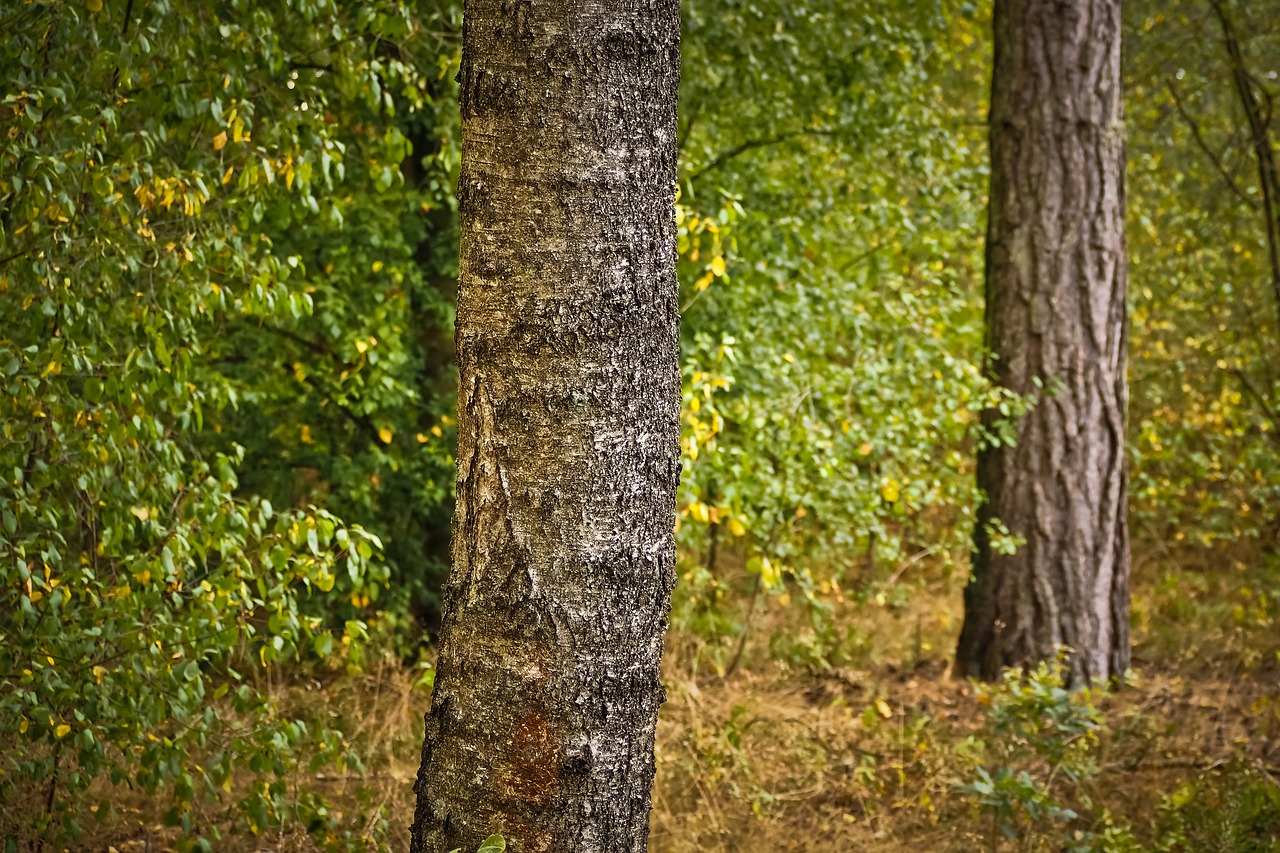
<point>1233,809</point>
<point>1040,745</point>
<point>493,844</point>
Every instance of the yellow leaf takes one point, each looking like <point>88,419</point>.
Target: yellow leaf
<point>306,434</point>
<point>386,435</point>
<point>770,575</point>
<point>219,141</point>
<point>141,513</point>
<point>143,577</point>
<point>93,5</point>
<point>865,449</point>
<point>24,725</point>
<point>98,673</point>
<point>226,176</point>
<point>62,730</point>
<point>736,528</point>
<point>36,595</point>
<point>890,491</point>
<point>717,265</point>
<point>422,438</point>
<point>377,266</point>
<point>884,709</point>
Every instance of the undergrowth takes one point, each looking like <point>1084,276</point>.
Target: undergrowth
<point>867,745</point>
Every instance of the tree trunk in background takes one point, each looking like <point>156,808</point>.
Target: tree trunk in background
<point>1056,281</point>
<point>547,690</point>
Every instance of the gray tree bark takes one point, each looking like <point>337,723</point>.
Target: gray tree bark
<point>547,689</point>
<point>1056,313</point>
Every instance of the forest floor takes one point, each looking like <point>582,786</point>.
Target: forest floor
<point>782,756</point>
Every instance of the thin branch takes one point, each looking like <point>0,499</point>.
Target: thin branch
<point>1194,127</point>
<point>752,144</point>
<point>1261,400</point>
<point>1267,173</point>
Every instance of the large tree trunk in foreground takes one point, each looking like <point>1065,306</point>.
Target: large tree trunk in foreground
<point>1056,279</point>
<point>547,689</point>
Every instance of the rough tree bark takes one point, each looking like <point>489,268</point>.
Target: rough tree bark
<point>547,690</point>
<point>1056,293</point>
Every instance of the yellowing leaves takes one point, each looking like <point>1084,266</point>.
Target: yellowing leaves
<point>220,141</point>
<point>717,265</point>
<point>890,490</point>
<point>62,730</point>
<point>770,574</point>
<point>883,709</point>
<point>386,435</point>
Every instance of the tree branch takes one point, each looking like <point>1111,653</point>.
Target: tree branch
<point>1194,127</point>
<point>752,144</point>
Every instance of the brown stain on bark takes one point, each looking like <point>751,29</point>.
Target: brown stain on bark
<point>531,773</point>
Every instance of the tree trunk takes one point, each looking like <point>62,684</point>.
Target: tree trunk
<point>547,689</point>
<point>1056,281</point>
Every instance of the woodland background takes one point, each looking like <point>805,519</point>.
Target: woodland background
<point>227,261</point>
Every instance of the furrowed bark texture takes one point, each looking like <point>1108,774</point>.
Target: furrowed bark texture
<point>547,689</point>
<point>1056,281</point>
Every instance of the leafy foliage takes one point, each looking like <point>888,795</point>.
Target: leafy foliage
<point>832,370</point>
<point>158,160</point>
<point>1205,338</point>
<point>1041,741</point>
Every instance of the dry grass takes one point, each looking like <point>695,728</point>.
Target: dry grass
<point>780,757</point>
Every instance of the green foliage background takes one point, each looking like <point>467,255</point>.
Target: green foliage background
<point>227,260</point>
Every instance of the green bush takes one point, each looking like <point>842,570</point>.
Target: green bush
<point>155,162</point>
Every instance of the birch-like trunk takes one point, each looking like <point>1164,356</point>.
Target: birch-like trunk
<point>547,689</point>
<point>1056,312</point>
